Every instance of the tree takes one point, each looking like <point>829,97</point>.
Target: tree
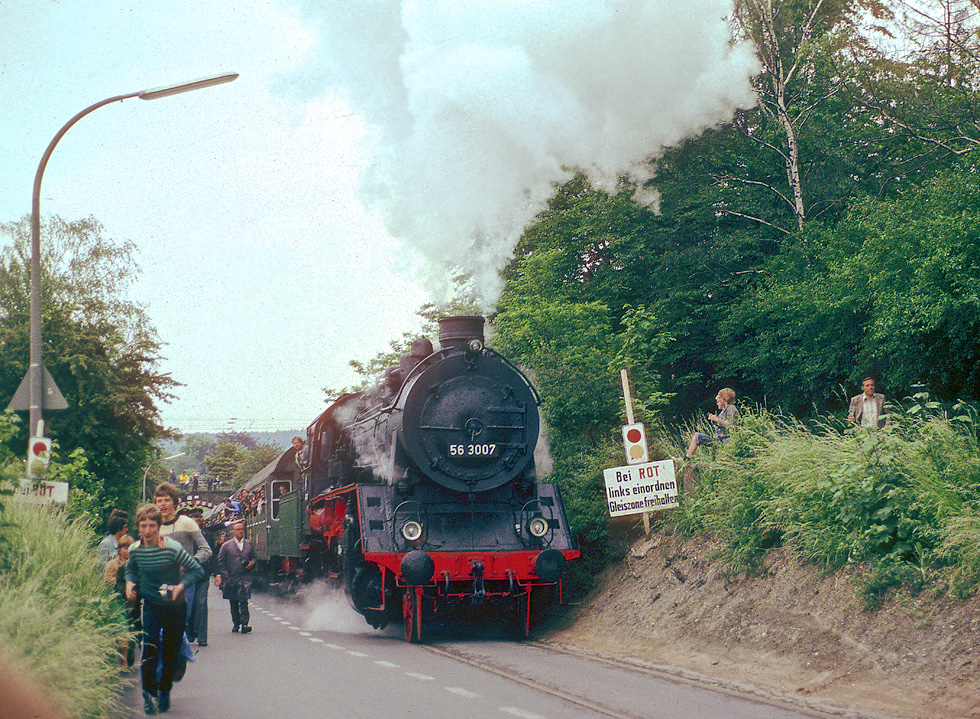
<point>794,124</point>
<point>235,463</point>
<point>925,95</point>
<point>98,345</point>
<point>920,252</point>
<point>197,447</point>
<point>224,463</point>
<point>462,301</point>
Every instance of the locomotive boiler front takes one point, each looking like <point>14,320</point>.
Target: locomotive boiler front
<point>467,418</point>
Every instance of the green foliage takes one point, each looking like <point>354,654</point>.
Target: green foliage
<point>224,463</point>
<point>900,501</point>
<point>826,234</point>
<point>197,448</point>
<point>98,345</point>
<point>86,491</point>
<point>235,463</point>
<point>920,256</point>
<point>255,459</point>
<point>644,342</point>
<point>574,347</point>
<point>56,612</point>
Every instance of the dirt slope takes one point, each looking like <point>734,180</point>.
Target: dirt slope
<point>787,630</point>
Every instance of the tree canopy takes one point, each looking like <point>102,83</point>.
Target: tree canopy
<point>828,233</point>
<point>98,345</point>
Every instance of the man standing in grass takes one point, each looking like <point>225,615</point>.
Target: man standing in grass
<point>867,409</point>
<point>155,564</point>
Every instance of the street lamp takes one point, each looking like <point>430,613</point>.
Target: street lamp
<point>35,369</point>
<point>164,459</point>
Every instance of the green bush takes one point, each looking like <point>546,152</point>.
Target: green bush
<point>56,612</point>
<point>902,501</point>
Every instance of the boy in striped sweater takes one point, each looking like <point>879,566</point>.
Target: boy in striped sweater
<point>154,564</point>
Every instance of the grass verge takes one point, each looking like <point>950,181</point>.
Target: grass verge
<point>58,620</point>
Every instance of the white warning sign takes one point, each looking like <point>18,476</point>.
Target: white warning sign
<point>641,488</point>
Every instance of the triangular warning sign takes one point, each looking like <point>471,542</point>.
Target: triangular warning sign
<point>51,397</point>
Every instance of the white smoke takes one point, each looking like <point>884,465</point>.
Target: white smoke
<point>328,610</point>
<point>478,108</point>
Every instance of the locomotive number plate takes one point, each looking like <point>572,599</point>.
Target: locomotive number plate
<point>474,451</point>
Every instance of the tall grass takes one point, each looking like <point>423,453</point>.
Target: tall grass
<point>57,616</point>
<point>901,504</point>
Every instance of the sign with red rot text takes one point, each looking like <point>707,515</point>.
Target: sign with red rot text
<point>640,488</point>
<point>42,492</point>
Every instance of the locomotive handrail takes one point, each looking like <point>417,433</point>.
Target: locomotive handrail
<point>425,364</point>
<point>534,391</point>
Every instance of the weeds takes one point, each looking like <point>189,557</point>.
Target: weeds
<point>900,502</point>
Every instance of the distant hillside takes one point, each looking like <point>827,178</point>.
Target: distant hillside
<point>282,438</point>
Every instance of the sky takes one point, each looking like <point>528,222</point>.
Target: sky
<point>296,218</point>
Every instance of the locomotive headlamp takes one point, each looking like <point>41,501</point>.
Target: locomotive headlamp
<point>537,527</point>
<point>475,346</point>
<point>412,530</point>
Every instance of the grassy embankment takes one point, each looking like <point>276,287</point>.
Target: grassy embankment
<point>59,622</point>
<point>900,506</point>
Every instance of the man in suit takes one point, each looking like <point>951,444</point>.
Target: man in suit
<point>868,408</point>
<point>236,559</point>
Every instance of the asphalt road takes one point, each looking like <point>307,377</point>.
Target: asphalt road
<point>314,656</point>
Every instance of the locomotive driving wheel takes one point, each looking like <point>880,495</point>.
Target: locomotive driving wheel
<point>412,614</point>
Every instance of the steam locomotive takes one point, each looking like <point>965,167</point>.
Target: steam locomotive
<point>419,496</point>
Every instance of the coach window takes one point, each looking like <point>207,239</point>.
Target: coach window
<point>278,490</point>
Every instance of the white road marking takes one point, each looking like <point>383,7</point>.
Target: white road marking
<point>275,617</point>
<point>381,662</point>
<point>357,654</point>
<point>306,634</point>
<point>316,639</point>
<point>463,692</point>
<point>328,645</point>
<point>424,677</point>
<point>520,713</point>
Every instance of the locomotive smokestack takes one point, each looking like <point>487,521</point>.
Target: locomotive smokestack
<point>457,331</point>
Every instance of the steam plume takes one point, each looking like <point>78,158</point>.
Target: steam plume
<point>478,107</point>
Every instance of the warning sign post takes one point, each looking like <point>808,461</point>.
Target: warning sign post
<point>639,488</point>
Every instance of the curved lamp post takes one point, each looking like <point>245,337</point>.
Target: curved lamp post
<point>35,371</point>
<point>159,459</point>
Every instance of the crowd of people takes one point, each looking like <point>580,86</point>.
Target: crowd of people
<point>241,504</point>
<point>162,576</point>
<point>194,482</point>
